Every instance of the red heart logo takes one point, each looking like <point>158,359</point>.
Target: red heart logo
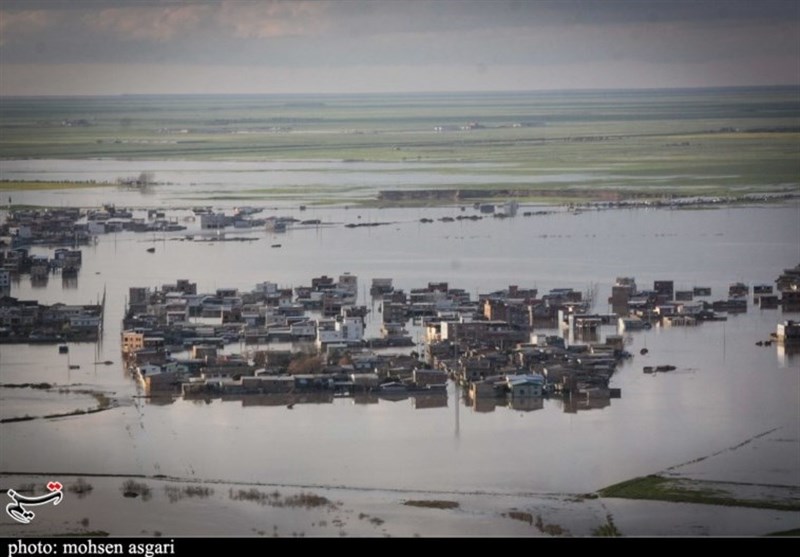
<point>54,486</point>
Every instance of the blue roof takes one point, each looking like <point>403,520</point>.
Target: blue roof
<point>516,380</point>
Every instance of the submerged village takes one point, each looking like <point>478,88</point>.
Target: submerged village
<point>308,343</point>
<point>488,346</point>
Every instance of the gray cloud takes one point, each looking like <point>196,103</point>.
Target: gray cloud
<point>417,33</point>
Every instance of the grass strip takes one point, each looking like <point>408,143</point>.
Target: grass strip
<point>659,488</point>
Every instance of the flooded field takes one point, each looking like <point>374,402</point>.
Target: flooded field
<point>323,149</point>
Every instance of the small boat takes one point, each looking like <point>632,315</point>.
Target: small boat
<point>151,250</point>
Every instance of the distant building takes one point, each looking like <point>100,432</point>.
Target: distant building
<point>5,283</point>
<point>348,283</point>
<point>665,288</point>
<point>381,286</point>
<point>212,221</point>
<point>684,295</point>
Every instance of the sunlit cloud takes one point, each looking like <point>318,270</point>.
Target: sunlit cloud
<point>148,23</point>
<point>280,18</point>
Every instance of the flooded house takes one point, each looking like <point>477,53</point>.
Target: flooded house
<point>213,221</point>
<point>761,290</point>
<point>525,386</point>
<point>738,290</point>
<point>684,295</point>
<point>731,305</point>
<point>161,377</point>
<point>633,323</point>
<point>789,280</point>
<point>52,226</point>
<point>788,333</point>
<point>621,293</point>
<point>664,289</point>
<point>790,300</point>
<point>30,321</point>
<point>770,301</point>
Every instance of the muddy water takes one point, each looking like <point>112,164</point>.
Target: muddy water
<point>724,391</point>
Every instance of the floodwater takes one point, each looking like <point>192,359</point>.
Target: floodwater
<point>724,391</point>
<point>234,183</point>
<point>192,182</point>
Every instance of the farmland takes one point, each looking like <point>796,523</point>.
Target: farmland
<point>681,142</point>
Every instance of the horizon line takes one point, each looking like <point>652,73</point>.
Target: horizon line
<point>364,93</point>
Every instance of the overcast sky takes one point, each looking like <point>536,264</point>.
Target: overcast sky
<point>56,47</point>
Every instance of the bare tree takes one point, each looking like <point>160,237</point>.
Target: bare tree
<point>145,179</point>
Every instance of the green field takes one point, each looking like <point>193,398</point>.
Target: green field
<point>680,490</point>
<point>31,185</point>
<point>685,142</point>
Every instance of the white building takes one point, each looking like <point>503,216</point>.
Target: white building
<point>348,330</point>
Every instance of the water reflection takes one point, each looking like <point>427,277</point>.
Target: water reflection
<point>365,398</point>
<point>481,404</point>
<point>287,400</point>
<point>160,400</point>
<point>575,404</point>
<point>430,401</point>
<point>527,404</point>
<point>40,281</point>
<point>69,281</point>
<point>788,355</point>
